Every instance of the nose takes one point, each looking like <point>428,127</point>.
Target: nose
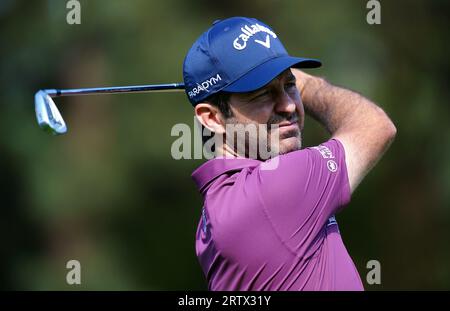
<point>285,103</point>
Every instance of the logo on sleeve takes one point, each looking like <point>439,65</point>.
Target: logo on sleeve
<point>327,154</point>
<point>332,166</point>
<point>324,151</point>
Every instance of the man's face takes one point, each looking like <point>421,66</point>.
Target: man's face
<point>276,104</point>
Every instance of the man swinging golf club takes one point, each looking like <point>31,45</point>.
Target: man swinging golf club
<point>274,228</point>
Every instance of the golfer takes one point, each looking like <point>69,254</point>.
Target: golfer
<point>273,227</point>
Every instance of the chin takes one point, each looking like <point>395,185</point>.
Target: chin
<point>290,144</point>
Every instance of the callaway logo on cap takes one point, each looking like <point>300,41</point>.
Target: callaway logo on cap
<point>238,54</point>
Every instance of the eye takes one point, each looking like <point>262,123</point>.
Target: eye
<point>290,86</point>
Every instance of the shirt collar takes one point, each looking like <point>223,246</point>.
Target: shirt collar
<point>212,169</point>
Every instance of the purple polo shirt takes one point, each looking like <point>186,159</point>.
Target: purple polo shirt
<point>274,228</point>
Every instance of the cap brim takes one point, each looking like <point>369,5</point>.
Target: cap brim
<point>266,72</point>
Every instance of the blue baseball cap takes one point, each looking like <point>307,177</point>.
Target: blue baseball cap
<point>238,55</point>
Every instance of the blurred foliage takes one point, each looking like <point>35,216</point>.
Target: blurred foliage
<point>109,193</point>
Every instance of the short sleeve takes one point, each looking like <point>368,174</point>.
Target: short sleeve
<point>303,190</point>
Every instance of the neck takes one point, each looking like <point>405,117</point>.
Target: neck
<point>223,150</point>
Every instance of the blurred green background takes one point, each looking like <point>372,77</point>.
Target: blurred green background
<point>110,195</point>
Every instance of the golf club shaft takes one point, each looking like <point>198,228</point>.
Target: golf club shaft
<point>170,87</point>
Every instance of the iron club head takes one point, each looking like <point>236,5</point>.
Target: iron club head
<point>48,116</point>
<point>50,119</point>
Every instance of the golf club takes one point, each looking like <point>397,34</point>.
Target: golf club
<point>49,118</point>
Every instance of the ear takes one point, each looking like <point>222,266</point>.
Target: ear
<point>210,117</point>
